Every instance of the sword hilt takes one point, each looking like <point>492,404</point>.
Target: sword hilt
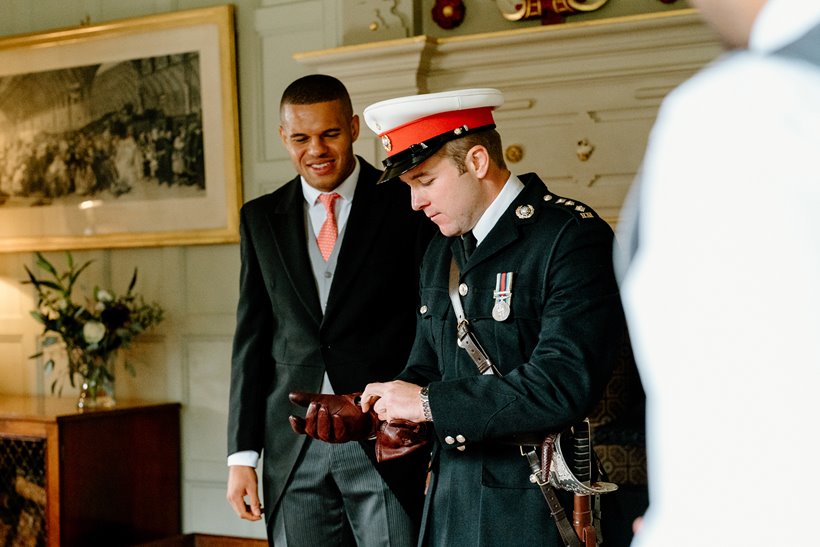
<point>582,452</point>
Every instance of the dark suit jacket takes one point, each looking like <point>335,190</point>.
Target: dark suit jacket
<point>284,343</point>
<point>555,352</point>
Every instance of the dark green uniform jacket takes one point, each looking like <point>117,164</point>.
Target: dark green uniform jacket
<point>555,352</point>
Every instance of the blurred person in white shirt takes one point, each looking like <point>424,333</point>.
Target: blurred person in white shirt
<point>720,277</point>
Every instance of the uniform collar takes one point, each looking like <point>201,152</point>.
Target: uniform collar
<point>488,219</point>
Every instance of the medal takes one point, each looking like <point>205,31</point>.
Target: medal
<point>502,295</point>
<point>501,311</point>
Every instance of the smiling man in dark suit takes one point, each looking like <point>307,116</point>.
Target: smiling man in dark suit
<point>328,294</point>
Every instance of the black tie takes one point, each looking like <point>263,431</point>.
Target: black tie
<point>468,241</point>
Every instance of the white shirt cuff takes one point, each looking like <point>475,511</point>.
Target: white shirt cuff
<point>246,457</point>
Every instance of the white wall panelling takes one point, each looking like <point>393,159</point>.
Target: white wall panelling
<point>284,29</point>
<point>204,438</point>
<point>365,21</point>
<point>600,81</point>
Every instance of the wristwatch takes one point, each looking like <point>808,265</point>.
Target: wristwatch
<point>425,403</point>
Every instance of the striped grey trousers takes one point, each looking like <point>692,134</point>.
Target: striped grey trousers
<point>335,497</point>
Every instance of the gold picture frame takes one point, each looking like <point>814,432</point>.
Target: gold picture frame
<point>121,134</point>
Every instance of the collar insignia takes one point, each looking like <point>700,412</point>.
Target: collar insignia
<point>524,211</point>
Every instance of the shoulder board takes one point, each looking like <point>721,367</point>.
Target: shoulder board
<point>579,209</point>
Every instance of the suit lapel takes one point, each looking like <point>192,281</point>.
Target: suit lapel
<point>287,221</point>
<point>363,227</point>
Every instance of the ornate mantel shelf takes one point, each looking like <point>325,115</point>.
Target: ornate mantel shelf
<point>580,97</point>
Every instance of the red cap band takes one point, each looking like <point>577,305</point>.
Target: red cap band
<point>404,136</point>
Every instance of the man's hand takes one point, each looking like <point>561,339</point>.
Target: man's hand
<point>242,482</point>
<point>396,400</point>
<point>333,418</point>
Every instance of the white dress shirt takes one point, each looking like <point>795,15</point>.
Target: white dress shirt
<point>487,220</point>
<point>723,297</point>
<point>317,212</point>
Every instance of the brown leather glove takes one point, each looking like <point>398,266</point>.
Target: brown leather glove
<point>398,438</point>
<point>333,418</point>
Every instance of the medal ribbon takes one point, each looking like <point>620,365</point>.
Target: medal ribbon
<point>503,286</point>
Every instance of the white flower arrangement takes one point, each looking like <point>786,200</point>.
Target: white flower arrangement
<point>93,330</point>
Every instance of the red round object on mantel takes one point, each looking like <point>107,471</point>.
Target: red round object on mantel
<point>448,14</point>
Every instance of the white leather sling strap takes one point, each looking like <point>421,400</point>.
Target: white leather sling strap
<point>466,338</point>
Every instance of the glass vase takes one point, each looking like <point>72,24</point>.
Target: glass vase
<point>97,387</point>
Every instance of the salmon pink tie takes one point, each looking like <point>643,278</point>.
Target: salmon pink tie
<point>328,233</point>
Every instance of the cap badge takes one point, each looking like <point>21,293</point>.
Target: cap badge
<point>388,146</point>
<point>524,211</point>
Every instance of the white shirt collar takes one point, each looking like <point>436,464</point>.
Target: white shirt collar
<point>781,22</point>
<point>346,189</point>
<point>488,219</point>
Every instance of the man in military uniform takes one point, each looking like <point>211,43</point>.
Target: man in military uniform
<point>539,294</point>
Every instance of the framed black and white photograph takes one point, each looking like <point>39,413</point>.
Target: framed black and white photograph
<point>122,134</point>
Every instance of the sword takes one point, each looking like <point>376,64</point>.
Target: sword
<point>582,520</point>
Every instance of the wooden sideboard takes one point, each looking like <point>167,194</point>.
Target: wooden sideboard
<point>100,477</point>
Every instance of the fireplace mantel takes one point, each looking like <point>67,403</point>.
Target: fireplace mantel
<point>580,97</point>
